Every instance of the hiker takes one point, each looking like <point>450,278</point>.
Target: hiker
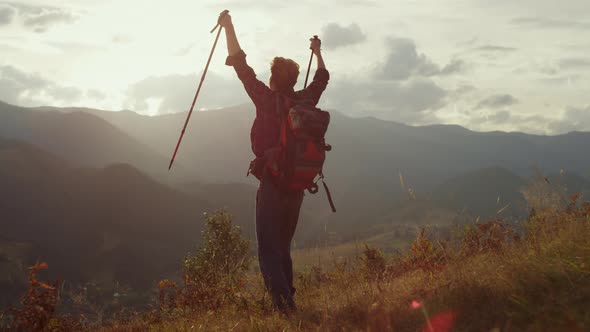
<point>277,209</point>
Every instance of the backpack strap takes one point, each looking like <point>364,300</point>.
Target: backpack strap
<point>282,116</point>
<point>329,195</point>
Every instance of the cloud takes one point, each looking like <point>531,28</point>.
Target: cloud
<point>455,66</point>
<point>411,101</point>
<point>6,15</point>
<point>175,92</point>
<point>40,23</point>
<point>495,48</point>
<point>572,119</point>
<point>403,61</point>
<point>95,94</point>
<point>497,101</point>
<point>41,18</point>
<point>535,123</point>
<point>574,63</point>
<point>29,89</point>
<point>399,88</point>
<point>494,117</point>
<point>551,23</point>
<point>334,35</point>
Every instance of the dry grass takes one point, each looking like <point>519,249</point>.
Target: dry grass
<point>490,280</point>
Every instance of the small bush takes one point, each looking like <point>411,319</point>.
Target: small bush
<point>168,294</point>
<point>491,236</point>
<point>374,263</point>
<point>217,272</point>
<point>38,308</point>
<point>424,255</point>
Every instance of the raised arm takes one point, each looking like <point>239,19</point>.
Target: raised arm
<point>320,80</point>
<point>316,47</point>
<point>256,89</point>
<point>233,46</point>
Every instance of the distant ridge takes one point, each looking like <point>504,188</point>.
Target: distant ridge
<point>363,169</point>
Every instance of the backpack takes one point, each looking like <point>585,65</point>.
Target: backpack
<point>299,158</point>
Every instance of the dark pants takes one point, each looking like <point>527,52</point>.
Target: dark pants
<point>276,219</point>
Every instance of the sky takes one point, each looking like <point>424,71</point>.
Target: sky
<point>485,65</point>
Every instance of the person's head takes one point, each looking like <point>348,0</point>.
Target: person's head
<point>283,74</point>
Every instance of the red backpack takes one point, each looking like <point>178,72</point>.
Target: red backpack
<point>299,159</point>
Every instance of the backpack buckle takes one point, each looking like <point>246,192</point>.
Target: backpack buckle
<point>313,188</point>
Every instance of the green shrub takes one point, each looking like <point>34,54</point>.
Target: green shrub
<point>217,272</point>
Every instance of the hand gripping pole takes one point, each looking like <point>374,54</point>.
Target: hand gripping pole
<point>309,66</point>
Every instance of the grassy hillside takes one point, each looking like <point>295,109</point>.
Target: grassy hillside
<point>491,277</point>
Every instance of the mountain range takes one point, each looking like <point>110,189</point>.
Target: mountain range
<point>90,189</point>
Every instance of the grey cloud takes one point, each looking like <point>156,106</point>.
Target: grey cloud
<point>21,88</point>
<point>334,35</point>
<point>461,92</point>
<point>66,93</point>
<point>497,117</point>
<point>14,83</point>
<point>40,23</point>
<point>410,102</point>
<point>494,117</point>
<point>416,95</point>
<point>536,124</point>
<point>495,48</point>
<point>574,63</point>
<point>573,119</point>
<point>6,15</point>
<point>455,66</point>
<point>403,61</point>
<point>95,94</point>
<point>497,101</point>
<point>176,92</point>
<point>561,80</point>
<point>500,117</point>
<point>41,18</point>
<point>546,22</point>
<point>398,89</point>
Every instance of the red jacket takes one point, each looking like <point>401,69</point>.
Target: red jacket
<point>265,129</point>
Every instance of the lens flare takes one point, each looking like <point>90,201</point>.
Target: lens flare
<point>416,304</point>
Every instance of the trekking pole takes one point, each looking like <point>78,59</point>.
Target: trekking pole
<point>315,37</point>
<point>225,12</point>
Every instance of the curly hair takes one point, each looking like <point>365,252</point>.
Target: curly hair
<point>284,73</point>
